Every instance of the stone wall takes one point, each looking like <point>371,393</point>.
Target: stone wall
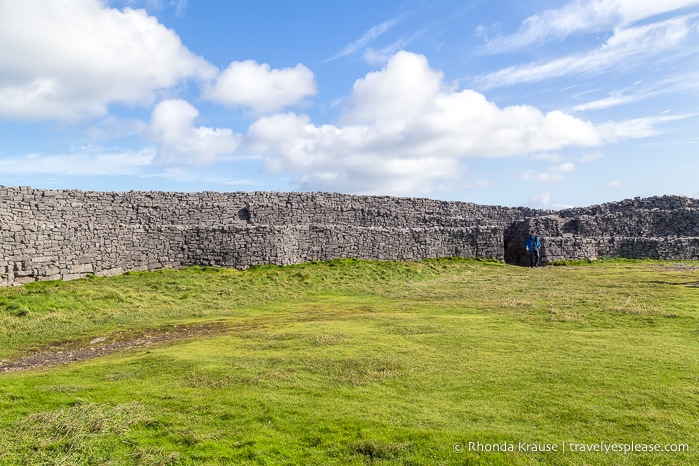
<point>664,227</point>
<point>236,246</point>
<point>66,234</point>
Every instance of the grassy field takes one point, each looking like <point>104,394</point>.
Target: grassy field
<point>354,362</point>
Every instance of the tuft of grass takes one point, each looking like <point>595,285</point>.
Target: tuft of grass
<point>614,260</point>
<point>375,451</point>
<point>83,421</point>
<point>85,433</point>
<point>359,362</point>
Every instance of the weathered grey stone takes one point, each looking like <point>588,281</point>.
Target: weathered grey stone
<point>67,234</point>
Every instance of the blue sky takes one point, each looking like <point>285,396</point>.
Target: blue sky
<point>540,103</point>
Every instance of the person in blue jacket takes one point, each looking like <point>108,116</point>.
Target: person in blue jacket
<point>533,244</point>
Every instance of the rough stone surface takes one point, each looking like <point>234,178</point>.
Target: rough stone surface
<point>67,234</point>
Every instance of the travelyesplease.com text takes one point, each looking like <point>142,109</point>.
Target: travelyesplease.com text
<point>571,447</point>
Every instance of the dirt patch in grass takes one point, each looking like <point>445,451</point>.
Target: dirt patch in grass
<point>101,346</point>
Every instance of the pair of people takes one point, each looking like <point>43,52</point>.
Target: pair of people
<point>533,244</point>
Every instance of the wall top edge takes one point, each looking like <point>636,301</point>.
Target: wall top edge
<point>636,202</point>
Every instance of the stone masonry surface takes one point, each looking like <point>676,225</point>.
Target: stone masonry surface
<point>67,234</point>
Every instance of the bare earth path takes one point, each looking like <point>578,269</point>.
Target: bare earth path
<point>106,345</point>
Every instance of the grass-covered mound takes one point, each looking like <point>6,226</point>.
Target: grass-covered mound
<point>355,362</point>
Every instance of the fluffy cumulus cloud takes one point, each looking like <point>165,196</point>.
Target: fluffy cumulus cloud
<point>261,89</point>
<point>402,90</point>
<point>406,132</point>
<point>179,141</point>
<point>357,158</point>
<point>71,58</point>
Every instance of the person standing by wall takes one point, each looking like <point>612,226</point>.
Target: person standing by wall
<point>533,244</point>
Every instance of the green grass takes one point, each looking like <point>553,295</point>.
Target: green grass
<point>357,362</point>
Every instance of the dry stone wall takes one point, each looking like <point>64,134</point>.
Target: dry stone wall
<point>664,227</point>
<point>236,246</point>
<point>66,234</point>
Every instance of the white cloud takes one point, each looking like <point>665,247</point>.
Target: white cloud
<point>583,16</point>
<point>183,175</point>
<point>615,185</point>
<point>402,90</point>
<point>179,141</point>
<point>396,176</point>
<point>611,101</point>
<point>625,48</point>
<point>551,157</point>
<point>408,132</point>
<point>69,59</point>
<point>636,128</point>
<point>156,5</point>
<point>263,90</point>
<point>368,37</point>
<point>591,157</point>
<point>115,161</point>
<point>81,161</point>
<point>552,175</point>
<point>112,128</point>
<point>682,82</point>
<point>542,201</point>
<point>180,6</point>
<point>384,54</point>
